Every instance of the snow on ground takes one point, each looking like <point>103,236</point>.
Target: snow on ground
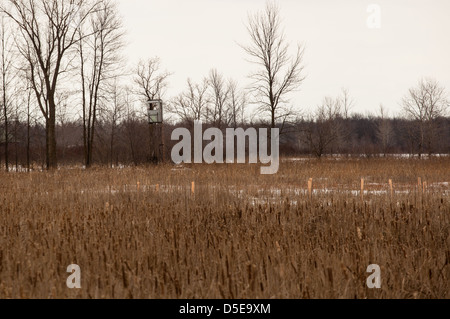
<point>344,156</point>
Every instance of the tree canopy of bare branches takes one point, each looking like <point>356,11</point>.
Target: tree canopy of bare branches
<point>6,79</point>
<point>279,73</point>
<point>191,105</point>
<point>425,104</point>
<point>384,130</point>
<point>238,100</point>
<point>48,31</point>
<point>220,98</point>
<point>324,128</point>
<point>150,79</point>
<point>101,39</point>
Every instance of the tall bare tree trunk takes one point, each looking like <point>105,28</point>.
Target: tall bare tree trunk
<point>279,73</point>
<point>4,69</point>
<point>99,47</point>
<point>51,137</point>
<point>151,136</point>
<point>5,115</point>
<point>152,84</point>
<point>28,130</point>
<point>47,34</point>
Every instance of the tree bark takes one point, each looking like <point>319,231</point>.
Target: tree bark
<point>52,162</point>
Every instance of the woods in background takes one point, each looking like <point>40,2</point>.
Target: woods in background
<point>66,97</point>
<point>123,139</point>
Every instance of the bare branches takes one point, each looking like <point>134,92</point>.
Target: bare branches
<point>6,78</point>
<point>101,40</point>
<point>384,130</point>
<point>425,104</point>
<point>346,102</point>
<point>278,74</point>
<point>216,100</point>
<point>324,129</point>
<point>219,109</point>
<point>238,100</point>
<point>151,81</point>
<point>192,104</point>
<point>48,29</point>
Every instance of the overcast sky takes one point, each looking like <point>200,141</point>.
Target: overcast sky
<point>376,65</point>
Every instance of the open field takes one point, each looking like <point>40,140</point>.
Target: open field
<point>145,233</point>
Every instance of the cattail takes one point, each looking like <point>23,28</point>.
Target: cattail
<point>362,188</point>
<point>391,187</point>
<point>330,275</point>
<point>359,233</point>
<point>310,188</point>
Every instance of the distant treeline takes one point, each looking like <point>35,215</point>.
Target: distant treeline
<point>128,142</point>
<point>68,96</point>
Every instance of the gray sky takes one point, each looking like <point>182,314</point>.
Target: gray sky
<point>376,65</point>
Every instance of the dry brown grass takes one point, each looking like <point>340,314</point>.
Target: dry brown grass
<point>242,235</point>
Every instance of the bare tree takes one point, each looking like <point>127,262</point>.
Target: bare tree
<point>151,80</point>
<point>152,83</point>
<point>237,104</point>
<point>29,114</point>
<point>346,102</point>
<point>130,127</point>
<point>322,128</point>
<point>7,76</point>
<point>384,130</point>
<point>279,73</point>
<point>101,39</point>
<point>25,95</point>
<point>113,115</point>
<point>219,109</point>
<point>48,30</point>
<point>192,104</point>
<point>62,121</point>
<point>425,104</point>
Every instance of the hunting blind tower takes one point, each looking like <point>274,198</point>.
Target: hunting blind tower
<point>155,118</point>
<point>155,112</point>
